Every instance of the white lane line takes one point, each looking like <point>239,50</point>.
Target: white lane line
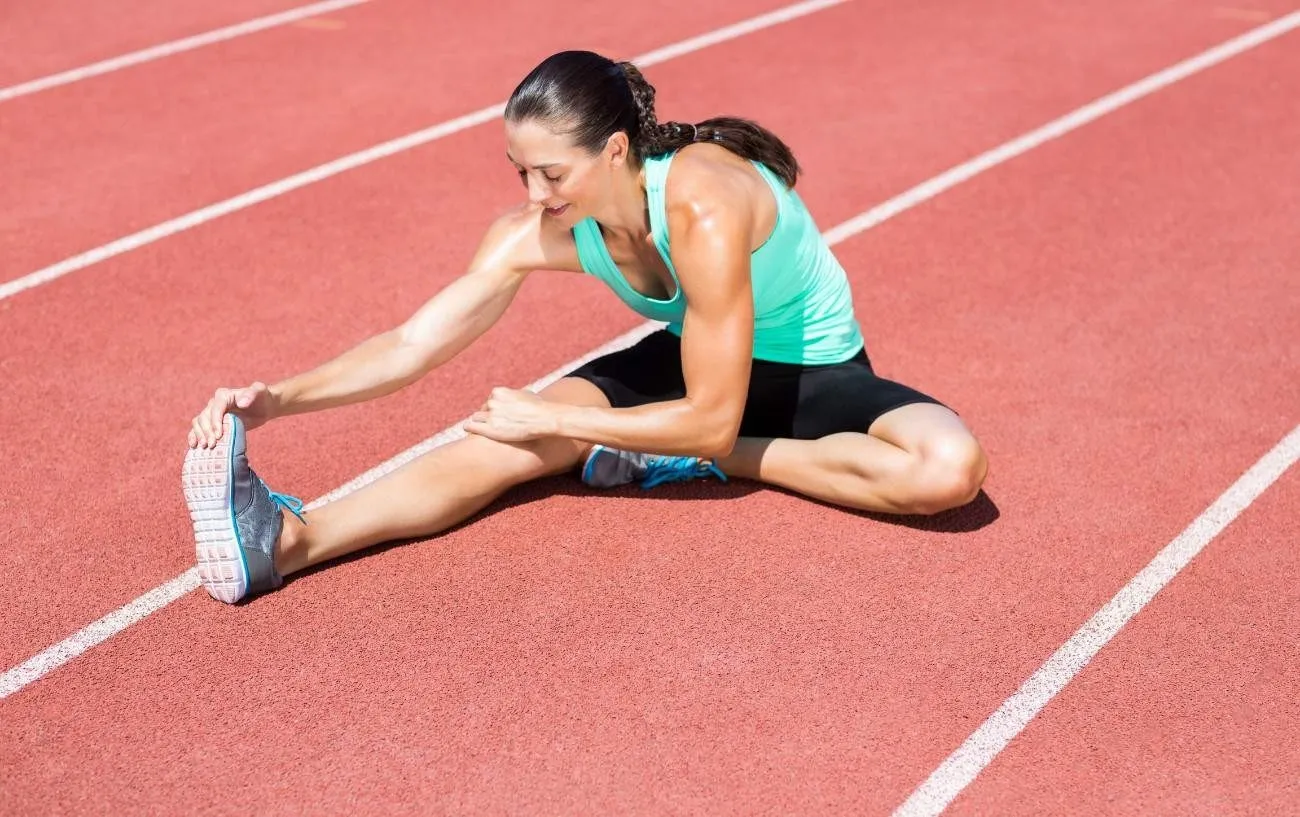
<point>47,660</point>
<point>173,47</point>
<point>455,432</point>
<point>371,154</point>
<point>105,628</point>
<point>38,665</point>
<point>964,764</point>
<point>1065,124</point>
<point>164,594</point>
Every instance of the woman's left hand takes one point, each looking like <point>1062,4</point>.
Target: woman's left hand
<point>514,416</point>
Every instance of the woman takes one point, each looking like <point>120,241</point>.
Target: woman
<point>760,373</point>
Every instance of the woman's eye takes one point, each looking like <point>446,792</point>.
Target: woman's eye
<point>554,180</point>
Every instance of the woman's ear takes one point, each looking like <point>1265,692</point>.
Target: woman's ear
<point>617,148</point>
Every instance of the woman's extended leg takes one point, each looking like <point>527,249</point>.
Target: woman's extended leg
<point>432,493</point>
<point>917,459</point>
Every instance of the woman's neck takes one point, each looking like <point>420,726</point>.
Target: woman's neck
<point>627,214</point>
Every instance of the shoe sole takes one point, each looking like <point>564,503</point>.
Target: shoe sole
<point>207,478</point>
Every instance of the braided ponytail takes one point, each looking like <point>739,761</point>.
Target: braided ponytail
<point>648,137</point>
<point>743,137</point>
<point>590,97</point>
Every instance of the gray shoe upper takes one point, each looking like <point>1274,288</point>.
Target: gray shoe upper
<point>611,467</point>
<point>257,515</point>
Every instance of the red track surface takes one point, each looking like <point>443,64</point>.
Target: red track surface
<point>53,36</point>
<point>211,123</point>
<point>1193,709</point>
<point>1112,313</point>
<point>288,269</point>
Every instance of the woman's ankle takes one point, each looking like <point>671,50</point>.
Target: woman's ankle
<point>291,553</point>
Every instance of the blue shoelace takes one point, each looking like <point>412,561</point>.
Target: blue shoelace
<point>290,503</point>
<point>678,469</point>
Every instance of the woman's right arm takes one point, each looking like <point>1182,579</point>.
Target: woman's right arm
<point>439,330</point>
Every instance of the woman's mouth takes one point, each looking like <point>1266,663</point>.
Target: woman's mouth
<point>556,211</point>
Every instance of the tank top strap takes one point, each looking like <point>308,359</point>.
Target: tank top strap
<point>656,180</point>
<point>592,252</point>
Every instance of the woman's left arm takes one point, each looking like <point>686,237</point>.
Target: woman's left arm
<point>712,230</point>
<point>711,244</point>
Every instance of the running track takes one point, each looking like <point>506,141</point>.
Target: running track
<point>1113,312</point>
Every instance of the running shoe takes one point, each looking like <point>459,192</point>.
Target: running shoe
<point>237,519</point>
<point>610,467</point>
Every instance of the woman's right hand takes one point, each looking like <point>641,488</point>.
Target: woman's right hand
<point>253,404</point>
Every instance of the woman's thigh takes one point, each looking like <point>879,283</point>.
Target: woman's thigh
<point>811,402</point>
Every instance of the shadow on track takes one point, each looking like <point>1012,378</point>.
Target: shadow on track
<point>978,514</point>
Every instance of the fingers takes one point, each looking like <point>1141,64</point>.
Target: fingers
<point>217,407</point>
<point>485,424</point>
<point>476,424</point>
<point>206,427</point>
<point>198,437</point>
<point>512,415</point>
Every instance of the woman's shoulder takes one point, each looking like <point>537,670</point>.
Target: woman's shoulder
<point>710,184</point>
<point>704,169</point>
<point>525,239</point>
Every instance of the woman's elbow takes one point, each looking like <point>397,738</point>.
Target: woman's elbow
<point>720,436</point>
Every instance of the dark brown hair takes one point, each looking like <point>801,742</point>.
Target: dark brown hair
<point>595,97</point>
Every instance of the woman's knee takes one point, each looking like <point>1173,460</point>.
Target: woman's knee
<point>549,455</point>
<point>513,462</point>
<point>949,473</point>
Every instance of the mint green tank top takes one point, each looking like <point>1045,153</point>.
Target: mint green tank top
<point>803,309</point>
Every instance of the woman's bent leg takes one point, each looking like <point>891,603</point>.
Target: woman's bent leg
<point>917,459</point>
<point>432,493</point>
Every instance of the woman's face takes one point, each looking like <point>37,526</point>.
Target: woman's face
<point>570,183</point>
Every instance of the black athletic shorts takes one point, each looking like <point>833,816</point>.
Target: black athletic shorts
<point>785,400</point>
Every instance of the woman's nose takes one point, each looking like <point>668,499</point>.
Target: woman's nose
<point>537,192</point>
